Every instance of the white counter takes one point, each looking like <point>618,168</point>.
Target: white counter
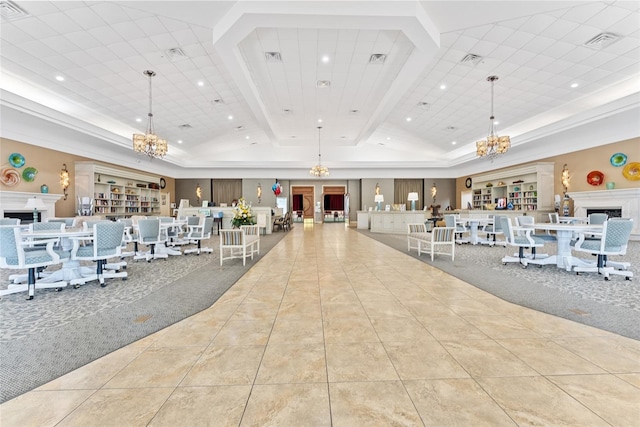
<point>227,214</point>
<point>395,221</point>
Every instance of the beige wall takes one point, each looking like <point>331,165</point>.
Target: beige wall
<point>580,163</point>
<point>49,164</point>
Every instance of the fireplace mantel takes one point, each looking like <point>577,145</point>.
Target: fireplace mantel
<point>15,201</point>
<point>627,199</point>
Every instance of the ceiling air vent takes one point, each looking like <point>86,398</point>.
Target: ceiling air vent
<point>287,111</point>
<point>377,58</point>
<point>11,12</point>
<point>217,101</point>
<point>424,105</point>
<point>175,54</point>
<point>272,57</point>
<point>471,58</point>
<point>185,126</point>
<point>602,40</point>
<point>323,83</point>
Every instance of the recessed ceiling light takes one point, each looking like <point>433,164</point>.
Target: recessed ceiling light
<point>574,85</point>
<point>388,138</point>
<point>453,143</point>
<point>246,137</point>
<point>496,122</point>
<point>138,120</point>
<point>200,83</point>
<point>230,117</point>
<point>179,141</point>
<point>325,59</point>
<point>60,78</point>
<point>443,86</point>
<point>323,83</point>
<point>319,120</point>
<point>408,119</point>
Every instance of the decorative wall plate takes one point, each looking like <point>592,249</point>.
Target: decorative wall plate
<point>29,174</point>
<point>618,159</point>
<point>632,171</point>
<point>595,178</point>
<point>16,160</point>
<point>9,177</point>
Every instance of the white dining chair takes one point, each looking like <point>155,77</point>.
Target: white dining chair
<point>40,254</point>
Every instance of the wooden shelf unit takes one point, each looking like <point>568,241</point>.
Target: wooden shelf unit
<point>117,193</point>
<point>529,188</point>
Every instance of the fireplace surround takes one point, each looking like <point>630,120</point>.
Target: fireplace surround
<point>15,201</point>
<point>628,200</point>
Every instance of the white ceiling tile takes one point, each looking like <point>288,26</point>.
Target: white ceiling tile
<point>584,12</point>
<point>128,30</point>
<point>60,22</point>
<point>518,39</point>
<point>82,39</point>
<point>559,29</point>
<point>37,28</point>
<point>608,18</point>
<point>85,18</point>
<point>109,12</point>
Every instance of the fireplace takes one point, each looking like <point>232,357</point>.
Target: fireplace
<point>13,203</point>
<point>626,201</point>
<point>611,212</point>
<point>24,217</point>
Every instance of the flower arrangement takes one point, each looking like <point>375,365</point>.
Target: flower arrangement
<point>242,214</point>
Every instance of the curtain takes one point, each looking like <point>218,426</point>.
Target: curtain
<point>402,188</point>
<point>226,190</point>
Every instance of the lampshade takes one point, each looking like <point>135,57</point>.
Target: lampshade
<point>378,198</point>
<point>35,203</point>
<point>412,197</point>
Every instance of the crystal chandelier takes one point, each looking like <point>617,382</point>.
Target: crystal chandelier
<point>494,144</point>
<point>319,170</point>
<point>149,143</point>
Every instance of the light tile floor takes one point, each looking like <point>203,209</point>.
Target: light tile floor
<point>332,328</point>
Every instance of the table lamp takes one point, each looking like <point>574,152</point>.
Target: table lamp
<point>412,197</point>
<point>379,198</point>
<point>35,204</point>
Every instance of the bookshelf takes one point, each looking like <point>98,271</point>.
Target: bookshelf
<point>117,193</point>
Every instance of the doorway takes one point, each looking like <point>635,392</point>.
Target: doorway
<point>302,202</point>
<point>333,203</point>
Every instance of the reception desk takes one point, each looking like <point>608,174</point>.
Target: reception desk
<point>227,214</point>
<point>395,221</point>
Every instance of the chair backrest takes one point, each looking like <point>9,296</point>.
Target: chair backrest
<point>416,228</point>
<point>68,222</point>
<point>8,247</point>
<point>507,229</point>
<point>148,230</point>
<point>9,221</point>
<point>615,235</point>
<point>597,218</point>
<point>450,220</point>
<point>193,220</point>
<point>38,226</point>
<point>554,218</point>
<point>497,223</point>
<point>443,235</point>
<point>262,220</point>
<point>88,225</point>
<point>230,237</point>
<point>107,237</point>
<point>253,230</point>
<point>524,220</point>
<point>207,227</point>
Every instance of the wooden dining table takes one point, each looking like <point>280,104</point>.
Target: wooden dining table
<point>564,233</point>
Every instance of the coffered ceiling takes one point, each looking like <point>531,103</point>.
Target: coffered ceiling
<point>241,86</point>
